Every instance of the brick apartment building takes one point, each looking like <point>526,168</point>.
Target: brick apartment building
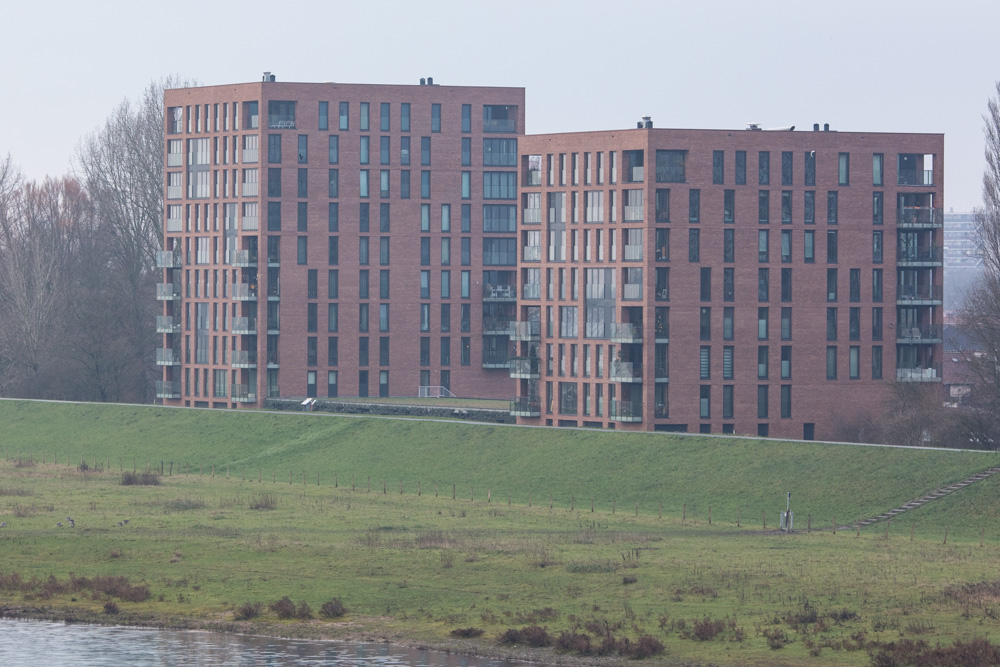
<point>752,282</point>
<point>362,240</point>
<point>326,239</point>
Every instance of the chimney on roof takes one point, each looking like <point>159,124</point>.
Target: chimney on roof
<point>815,127</point>
<point>430,81</point>
<point>648,122</point>
<point>423,81</point>
<point>826,127</point>
<point>267,76</point>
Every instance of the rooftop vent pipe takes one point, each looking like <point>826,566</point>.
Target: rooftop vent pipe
<point>423,82</point>
<point>268,77</point>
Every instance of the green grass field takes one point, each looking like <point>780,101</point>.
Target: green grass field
<point>412,568</point>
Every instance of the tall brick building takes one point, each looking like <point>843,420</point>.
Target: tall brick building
<point>757,282</point>
<point>327,239</point>
<point>362,240</point>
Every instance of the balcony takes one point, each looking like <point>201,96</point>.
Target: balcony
<point>919,335</point>
<point>496,326</point>
<point>175,159</point>
<point>168,389</point>
<point>505,125</point>
<point>166,356</point>
<point>625,411</point>
<point>250,155</point>
<point>495,359</point>
<point>531,291</point>
<point>632,291</point>
<point>625,371</point>
<point>243,359</point>
<point>175,191</point>
<point>662,371</point>
<point>915,177</point>
<point>243,393</point>
<point>499,292</point>
<point>633,253</point>
<point>251,223</point>
<point>625,332</point>
<point>531,253</point>
<point>930,374</point>
<point>525,368</point>
<point>525,331</point>
<point>930,255</point>
<point>525,406</point>
<point>633,213</point>
<point>175,225</point>
<point>919,295</point>
<point>244,258</point>
<point>251,189</point>
<point>533,177</point>
<point>531,216</point>
<point>919,216</point>
<point>168,259</point>
<point>244,325</point>
<point>244,292</point>
<point>168,291</point>
<point>167,324</point>
<point>281,122</point>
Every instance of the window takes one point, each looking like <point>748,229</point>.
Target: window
<point>303,149</point>
<point>670,166</point>
<point>425,351</point>
<point>568,321</point>
<point>763,245</point>
<point>727,322</point>
<point>877,285</point>
<point>435,118</point>
<point>303,249</point>
<point>363,250</point>
<point>786,362</point>
<point>876,362</point>
<point>786,323</point>
<point>363,284</point>
<point>831,362</point>
<point>498,152</point>
<point>741,168</point>
<point>311,350</point>
<point>333,149</point>
<point>344,109</point>
<point>764,168</point>
<point>844,169</point>
<point>878,160</point>
<point>404,116</point>
<point>694,205</point>
<point>662,205</point>
<point>808,247</point>
<point>855,289</point>
<point>810,175</point>
<point>466,251</point>
<point>763,284</point>
<point>727,362</point>
<point>718,167</point>
<point>384,218</point>
<point>706,283</point>
<point>302,217</point>
<point>274,216</point>
<point>809,207</point>
<point>466,351</point>
<point>786,401</point>
<point>705,401</point>
<point>854,324</point>
<point>466,118</point>
<point>365,150</point>
<point>333,187</point>
<point>729,206</point>
<point>705,323</point>
<point>831,324</point>
<point>333,284</point>
<point>854,353</point>
<point>383,248</point>
<point>694,245</point>
<point>333,251</point>
<point>425,184</point>
<point>274,181</point>
<point>705,362</point>
<point>762,352</point>
<point>383,317</point>
<point>425,317</point>
<point>786,285</point>
<point>831,208</point>
<point>786,168</point>
<point>312,284</point>
<point>303,183</point>
<point>764,206</point>
<point>363,320</point>
<point>877,247</point>
<point>763,316</point>
<point>831,284</point>
<point>877,323</point>
<point>728,284</point>
<point>446,284</point>
<point>425,284</point>
<point>728,245</point>
<point>499,185</point>
<point>762,402</point>
<point>786,245</point>
<point>274,148</point>
<point>831,246</point>
<point>727,406</point>
<point>877,208</point>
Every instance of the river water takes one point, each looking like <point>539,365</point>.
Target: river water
<point>43,643</point>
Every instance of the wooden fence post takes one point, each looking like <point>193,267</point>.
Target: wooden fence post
<point>946,534</point>
<point>684,513</point>
<point>738,517</point>
<point>710,515</point>
<point>763,518</point>
<point>834,525</point>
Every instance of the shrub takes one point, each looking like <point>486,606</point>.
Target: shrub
<point>572,642</point>
<point>333,609</point>
<point>265,501</point>
<point>644,647</point>
<point>629,579</point>
<point>467,633</point>
<point>284,608</point>
<point>140,479</point>
<point>776,638</point>
<point>14,491</point>
<point>530,635</point>
<point>248,611</point>
<point>110,607</point>
<point>304,612</point>
<point>707,629</point>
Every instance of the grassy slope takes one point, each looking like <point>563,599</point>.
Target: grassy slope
<point>730,475</point>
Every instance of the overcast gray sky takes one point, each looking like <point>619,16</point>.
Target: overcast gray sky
<point>860,65</point>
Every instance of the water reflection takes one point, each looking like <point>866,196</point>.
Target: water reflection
<point>39,643</point>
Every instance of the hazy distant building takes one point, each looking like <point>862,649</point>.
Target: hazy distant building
<point>960,247</point>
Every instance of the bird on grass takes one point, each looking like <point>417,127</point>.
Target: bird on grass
<point>3,525</point>
<point>59,525</point>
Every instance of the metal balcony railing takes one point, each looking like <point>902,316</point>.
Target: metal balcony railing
<point>499,292</point>
<point>919,216</point>
<point>908,293</point>
<point>915,177</point>
<point>661,370</point>
<point>921,333</point>
<point>926,254</point>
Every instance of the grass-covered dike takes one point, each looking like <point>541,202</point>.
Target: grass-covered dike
<point>567,546</point>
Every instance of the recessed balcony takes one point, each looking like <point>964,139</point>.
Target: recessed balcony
<point>499,292</point>
<point>921,334</point>
<point>168,389</point>
<point>919,217</point>
<point>168,259</point>
<point>495,359</point>
<point>525,406</point>
<point>243,359</point>
<point>244,258</point>
<point>167,324</point>
<point>525,331</point>
<point>625,411</point>
<point>625,332</point>
<point>244,292</point>
<point>166,356</point>
<point>919,295</point>
<point>244,325</point>
<point>626,371</point>
<point>929,373</point>
<point>525,368</point>
<point>926,256</point>
<point>242,393</point>
<point>168,291</point>
<point>496,326</point>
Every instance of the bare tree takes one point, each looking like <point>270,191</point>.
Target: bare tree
<point>980,313</point>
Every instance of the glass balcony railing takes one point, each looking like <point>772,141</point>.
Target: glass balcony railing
<point>168,291</point>
<point>626,411</point>
<point>244,292</point>
<point>244,325</point>
<point>524,367</point>
<point>929,373</point>
<point>525,331</point>
<point>525,406</point>
<point>531,253</point>
<point>531,216</point>
<point>624,332</point>
<point>499,292</point>
<point>168,389</point>
<point>533,177</point>
<point>495,359</point>
<point>168,259</point>
<point>243,359</point>
<point>919,333</point>
<point>244,258</point>
<point>626,371</point>
<point>243,393</point>
<point>496,326</point>
<point>531,291</point>
<point>910,293</point>
<point>919,216</point>
<point>916,177</point>
<point>167,324</point>
<point>633,253</point>
<point>632,291</point>
<point>928,254</point>
<point>633,213</point>
<point>167,357</point>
